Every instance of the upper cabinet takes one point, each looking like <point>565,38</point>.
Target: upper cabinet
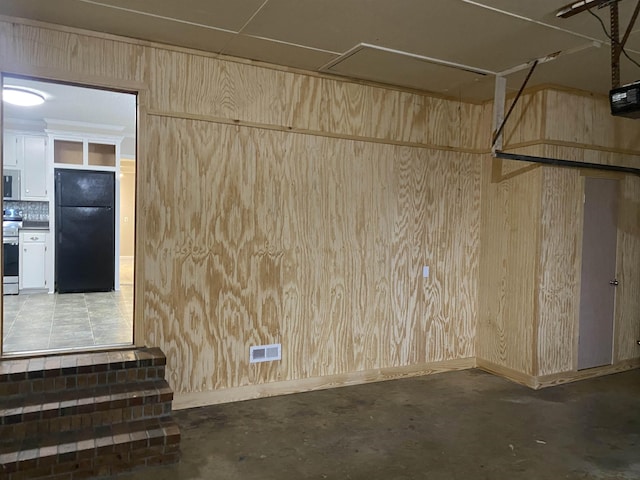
<point>87,153</point>
<point>10,150</point>
<point>27,153</point>
<point>34,169</point>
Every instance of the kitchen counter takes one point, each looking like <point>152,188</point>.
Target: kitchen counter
<point>34,225</point>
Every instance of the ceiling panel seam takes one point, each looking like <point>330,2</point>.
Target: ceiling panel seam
<point>327,67</point>
<point>253,16</point>
<point>527,19</point>
<point>161,17</point>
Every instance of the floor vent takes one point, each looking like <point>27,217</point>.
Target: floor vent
<point>265,353</point>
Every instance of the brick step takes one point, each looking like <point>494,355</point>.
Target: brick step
<point>100,451</point>
<point>62,372</point>
<point>28,416</point>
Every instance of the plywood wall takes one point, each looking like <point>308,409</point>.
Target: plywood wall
<point>313,242</point>
<point>192,85</point>
<point>628,262</point>
<point>282,207</point>
<point>558,275</point>
<point>276,206</point>
<point>584,123</point>
<point>509,250</point>
<point>57,54</point>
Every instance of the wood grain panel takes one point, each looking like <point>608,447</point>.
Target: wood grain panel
<point>586,119</point>
<point>510,230</point>
<point>559,269</point>
<point>526,121</point>
<point>60,55</point>
<point>180,82</point>
<point>205,86</point>
<point>314,242</point>
<point>627,327</point>
<point>199,399</point>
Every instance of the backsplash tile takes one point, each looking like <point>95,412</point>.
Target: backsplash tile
<point>31,211</point>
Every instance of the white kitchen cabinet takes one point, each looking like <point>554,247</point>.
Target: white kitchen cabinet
<point>34,169</point>
<point>10,150</point>
<point>33,260</point>
<point>28,154</point>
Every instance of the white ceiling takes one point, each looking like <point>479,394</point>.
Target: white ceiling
<point>450,47</point>
<point>73,108</point>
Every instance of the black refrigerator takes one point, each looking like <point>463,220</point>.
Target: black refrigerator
<point>85,230</point>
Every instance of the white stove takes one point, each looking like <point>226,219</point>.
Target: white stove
<point>11,225</point>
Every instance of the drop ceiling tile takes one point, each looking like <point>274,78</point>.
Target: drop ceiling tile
<point>453,30</point>
<point>395,69</point>
<point>103,19</point>
<point>545,11</point>
<point>633,45</point>
<point>217,13</point>
<point>588,70</point>
<point>278,53</point>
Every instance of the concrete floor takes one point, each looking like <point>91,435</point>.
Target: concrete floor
<point>460,425</point>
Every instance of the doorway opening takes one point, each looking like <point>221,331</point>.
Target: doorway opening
<point>68,218</point>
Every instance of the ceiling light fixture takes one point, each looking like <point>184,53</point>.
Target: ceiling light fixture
<point>577,7</point>
<point>21,97</point>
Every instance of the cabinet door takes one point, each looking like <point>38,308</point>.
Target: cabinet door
<point>34,169</point>
<point>10,150</point>
<point>33,257</point>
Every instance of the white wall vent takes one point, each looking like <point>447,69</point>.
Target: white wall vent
<point>265,353</point>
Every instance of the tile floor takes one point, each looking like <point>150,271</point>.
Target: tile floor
<point>67,321</point>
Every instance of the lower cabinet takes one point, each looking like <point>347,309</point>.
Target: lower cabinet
<point>33,260</point>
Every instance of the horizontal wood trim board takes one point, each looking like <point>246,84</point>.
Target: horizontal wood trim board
<point>62,76</point>
<point>568,377</point>
<point>506,372</point>
<point>544,381</point>
<point>300,131</point>
<point>249,392</point>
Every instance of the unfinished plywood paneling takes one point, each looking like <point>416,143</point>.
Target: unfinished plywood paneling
<point>585,120</point>
<point>559,270</point>
<point>182,83</point>
<point>204,87</point>
<point>627,322</point>
<point>526,122</point>
<point>313,242</point>
<point>59,55</point>
<point>510,229</point>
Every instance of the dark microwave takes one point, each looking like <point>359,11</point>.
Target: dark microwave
<point>11,184</point>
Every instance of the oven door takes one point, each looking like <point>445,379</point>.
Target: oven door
<point>11,257</point>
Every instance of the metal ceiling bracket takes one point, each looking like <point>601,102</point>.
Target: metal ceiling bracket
<point>499,96</point>
<point>498,133</point>
<point>616,48</point>
<point>617,45</point>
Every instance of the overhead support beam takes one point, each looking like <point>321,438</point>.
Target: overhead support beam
<point>566,163</point>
